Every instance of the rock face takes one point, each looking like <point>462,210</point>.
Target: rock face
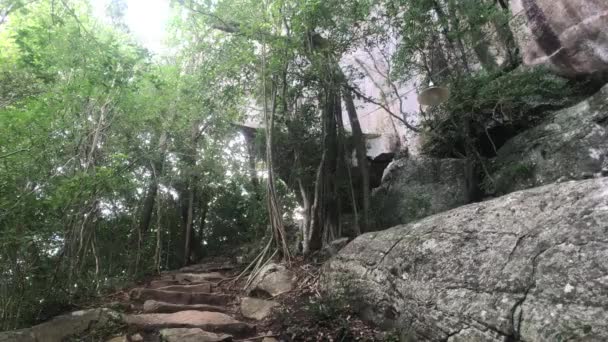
<point>273,280</point>
<point>568,35</point>
<point>571,143</point>
<point>61,327</point>
<point>529,266</point>
<point>413,188</point>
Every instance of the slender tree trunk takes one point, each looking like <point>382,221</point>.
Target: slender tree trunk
<point>250,141</point>
<point>157,168</point>
<point>189,219</point>
<point>306,212</point>
<point>353,198</point>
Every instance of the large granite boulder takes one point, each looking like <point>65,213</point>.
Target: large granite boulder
<point>529,266</point>
<point>571,143</point>
<point>64,326</point>
<point>416,187</point>
<point>570,36</point>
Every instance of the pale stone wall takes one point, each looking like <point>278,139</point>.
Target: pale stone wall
<point>393,135</point>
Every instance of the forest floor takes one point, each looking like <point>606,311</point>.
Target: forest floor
<point>209,295</point>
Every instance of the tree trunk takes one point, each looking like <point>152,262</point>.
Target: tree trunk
<point>324,209</point>
<point>361,152</point>
<point>157,168</point>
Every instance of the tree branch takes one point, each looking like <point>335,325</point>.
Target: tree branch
<point>14,152</point>
<point>383,106</point>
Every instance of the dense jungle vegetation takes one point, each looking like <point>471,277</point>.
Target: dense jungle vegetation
<point>117,162</point>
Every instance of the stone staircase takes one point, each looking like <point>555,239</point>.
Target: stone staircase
<point>191,305</point>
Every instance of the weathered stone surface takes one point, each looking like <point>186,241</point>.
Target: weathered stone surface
<point>529,266</point>
<point>570,36</point>
<point>152,306</point>
<point>256,308</point>
<point>416,187</point>
<point>192,335</point>
<point>175,297</point>
<point>60,327</point>
<point>273,280</point>
<point>209,321</point>
<point>202,287</point>
<point>571,143</point>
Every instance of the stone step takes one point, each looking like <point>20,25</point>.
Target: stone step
<point>208,267</point>
<point>184,278</point>
<point>216,322</point>
<point>153,306</point>
<point>174,297</point>
<point>155,284</point>
<point>192,335</point>
<point>201,287</point>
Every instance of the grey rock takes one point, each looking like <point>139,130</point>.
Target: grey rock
<point>571,143</point>
<point>272,280</point>
<point>61,327</point>
<point>413,188</point>
<point>258,309</point>
<point>529,266</point>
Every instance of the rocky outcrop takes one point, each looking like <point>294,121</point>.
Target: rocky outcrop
<point>416,187</point>
<point>571,143</point>
<point>529,266</point>
<point>570,36</point>
<point>61,327</point>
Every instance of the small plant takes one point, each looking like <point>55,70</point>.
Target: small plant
<point>509,176</point>
<point>328,307</point>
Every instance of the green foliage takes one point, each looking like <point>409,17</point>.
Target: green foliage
<point>82,112</point>
<point>508,176</point>
<point>513,100</point>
